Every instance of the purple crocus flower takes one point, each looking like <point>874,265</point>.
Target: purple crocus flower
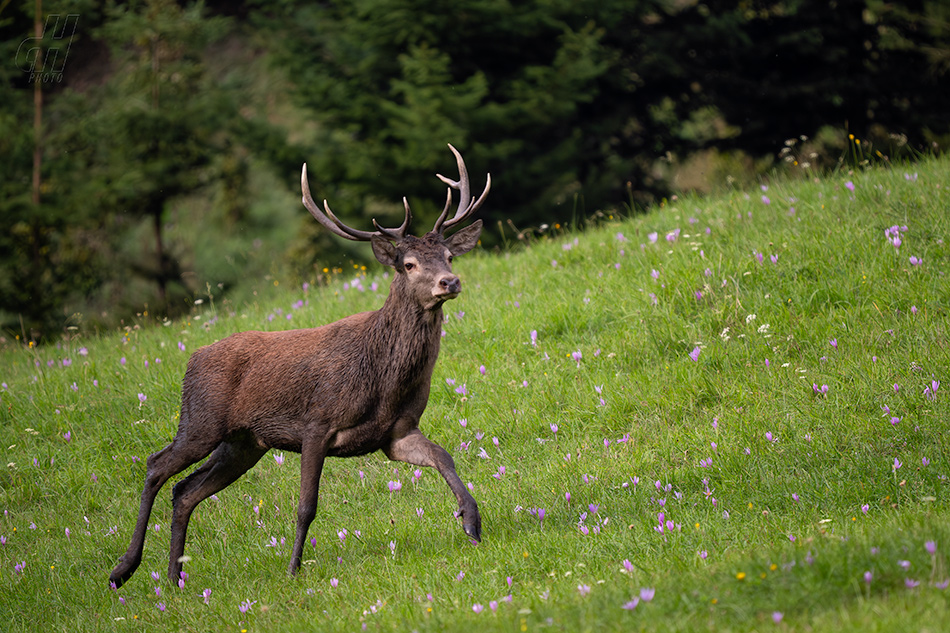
<point>694,355</point>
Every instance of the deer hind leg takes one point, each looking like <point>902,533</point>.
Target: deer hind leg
<point>416,448</point>
<point>227,463</point>
<point>160,467</point>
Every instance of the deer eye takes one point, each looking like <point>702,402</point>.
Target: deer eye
<point>409,265</point>
<point>450,259</point>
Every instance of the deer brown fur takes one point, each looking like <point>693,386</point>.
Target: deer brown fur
<point>347,388</point>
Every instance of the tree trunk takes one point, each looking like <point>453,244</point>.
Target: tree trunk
<point>37,103</point>
<point>161,272</point>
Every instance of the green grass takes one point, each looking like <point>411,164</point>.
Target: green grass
<point>787,525</point>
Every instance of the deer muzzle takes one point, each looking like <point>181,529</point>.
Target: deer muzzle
<point>448,287</point>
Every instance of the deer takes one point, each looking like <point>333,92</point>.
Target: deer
<point>344,389</point>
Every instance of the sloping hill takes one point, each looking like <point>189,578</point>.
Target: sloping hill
<point>721,415</point>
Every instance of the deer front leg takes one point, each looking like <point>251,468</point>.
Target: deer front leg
<point>415,448</point>
<point>312,455</point>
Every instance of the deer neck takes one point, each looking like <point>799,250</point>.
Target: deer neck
<point>406,337</point>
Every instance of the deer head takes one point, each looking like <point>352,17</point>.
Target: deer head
<point>423,264</point>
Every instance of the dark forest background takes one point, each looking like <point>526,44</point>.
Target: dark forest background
<point>151,150</point>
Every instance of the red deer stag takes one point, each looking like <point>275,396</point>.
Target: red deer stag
<point>347,388</point>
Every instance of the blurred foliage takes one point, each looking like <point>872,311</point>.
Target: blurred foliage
<point>172,141</point>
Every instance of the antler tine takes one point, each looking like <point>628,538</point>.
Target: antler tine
<point>335,226</point>
<point>465,208</point>
<point>445,210</point>
<point>399,233</point>
<point>462,184</point>
<point>329,220</point>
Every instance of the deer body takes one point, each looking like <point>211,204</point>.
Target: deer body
<point>347,388</point>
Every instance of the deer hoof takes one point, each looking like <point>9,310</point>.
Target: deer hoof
<point>473,529</point>
<point>122,572</point>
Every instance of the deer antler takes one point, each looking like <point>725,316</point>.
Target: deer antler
<point>335,226</point>
<point>465,208</point>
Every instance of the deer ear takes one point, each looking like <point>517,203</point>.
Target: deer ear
<point>465,240</point>
<point>384,250</point>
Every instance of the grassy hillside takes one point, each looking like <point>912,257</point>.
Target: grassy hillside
<point>726,414</point>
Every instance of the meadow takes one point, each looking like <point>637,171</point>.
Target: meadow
<point>727,413</point>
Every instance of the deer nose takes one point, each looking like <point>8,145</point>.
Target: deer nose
<point>450,284</point>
